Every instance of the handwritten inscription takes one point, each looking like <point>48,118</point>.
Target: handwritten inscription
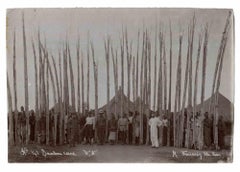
<point>198,154</point>
<point>44,153</point>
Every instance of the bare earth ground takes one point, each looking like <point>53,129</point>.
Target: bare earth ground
<point>114,154</point>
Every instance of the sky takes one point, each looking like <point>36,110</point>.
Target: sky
<point>57,24</point>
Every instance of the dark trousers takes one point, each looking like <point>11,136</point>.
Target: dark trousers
<point>89,133</point>
<point>122,135</point>
<point>32,132</point>
<point>101,134</point>
<point>130,133</point>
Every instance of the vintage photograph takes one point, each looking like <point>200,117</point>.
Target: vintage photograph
<point>120,85</point>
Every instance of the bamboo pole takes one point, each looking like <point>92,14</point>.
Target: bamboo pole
<point>107,56</point>
<point>137,78</point>
<point>155,72</point>
<point>149,89</point>
<point>160,85</point>
<point>115,71</point>
<point>195,135</point>
<point>182,117</point>
<point>177,96</point>
<point>10,114</point>
<point>15,89</point>
<point>60,101</point>
<point>47,98</point>
<point>83,82</point>
<point>129,61</point>
<point>40,84</point>
<point>218,62</point>
<point>141,102</point>
<point>133,82</point>
<point>58,97</point>
<point>78,75</point>
<point>122,72</point>
<point>189,109</point>
<point>65,87</point>
<point>25,79</point>
<point>95,71</point>
<point>201,141</point>
<point>224,43</point>
<point>170,86</point>
<point>145,80</point>
<point>72,81</point>
<point>36,89</point>
<point>88,74</point>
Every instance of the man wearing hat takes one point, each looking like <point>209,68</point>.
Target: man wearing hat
<point>101,125</point>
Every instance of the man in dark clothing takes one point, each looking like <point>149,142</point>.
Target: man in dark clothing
<point>207,131</point>
<point>74,129</point>
<point>130,127</point>
<point>22,121</point>
<point>101,125</point>
<point>32,126</point>
<point>82,122</point>
<point>221,132</point>
<point>69,129</point>
<point>112,127</point>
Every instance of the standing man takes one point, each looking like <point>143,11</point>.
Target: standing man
<point>112,127</point>
<point>101,126</point>
<point>23,130</point>
<point>207,130</point>
<point>221,132</point>
<point>136,127</point>
<point>154,123</point>
<point>130,128</point>
<point>32,126</point>
<point>89,133</point>
<point>122,128</point>
<point>74,129</point>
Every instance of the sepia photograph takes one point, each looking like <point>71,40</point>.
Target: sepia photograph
<point>120,85</point>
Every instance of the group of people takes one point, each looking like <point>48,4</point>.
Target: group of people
<point>102,130</point>
<point>125,129</point>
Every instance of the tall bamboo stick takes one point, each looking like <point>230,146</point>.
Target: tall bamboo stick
<point>155,72</point>
<point>195,92</point>
<point>107,56</point>
<point>170,86</point>
<point>72,81</point>
<point>189,110</point>
<point>60,101</point>
<point>160,84</point>
<point>203,83</point>
<point>115,71</point>
<point>95,71</point>
<point>149,89</point>
<point>15,88</point>
<point>56,111</point>
<point>122,72</point>
<point>47,100</point>
<point>176,105</point>
<point>83,82</point>
<point>182,117</point>
<point>78,74</point>
<point>36,89</point>
<point>137,83</point>
<point>25,79</point>
<point>224,43</point>
<point>88,74</point>
<point>141,102</point>
<point>10,114</point>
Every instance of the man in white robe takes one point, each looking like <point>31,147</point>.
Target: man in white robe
<point>154,123</point>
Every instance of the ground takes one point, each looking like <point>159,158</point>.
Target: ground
<point>113,154</point>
